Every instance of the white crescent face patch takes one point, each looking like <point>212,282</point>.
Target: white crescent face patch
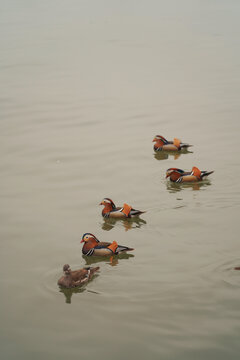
<point>169,172</point>
<point>88,236</point>
<point>107,201</point>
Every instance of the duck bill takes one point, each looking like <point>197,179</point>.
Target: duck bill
<point>82,241</point>
<point>101,203</point>
<point>154,140</point>
<point>167,176</point>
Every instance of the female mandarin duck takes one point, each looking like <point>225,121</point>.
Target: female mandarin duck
<point>179,176</point>
<point>76,278</point>
<point>162,144</point>
<point>110,210</point>
<point>93,247</point>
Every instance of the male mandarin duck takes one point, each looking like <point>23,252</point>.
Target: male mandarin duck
<point>110,210</point>
<point>93,247</point>
<point>162,144</point>
<point>76,278</point>
<point>179,176</point>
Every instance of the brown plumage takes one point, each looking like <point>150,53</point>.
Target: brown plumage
<point>75,278</point>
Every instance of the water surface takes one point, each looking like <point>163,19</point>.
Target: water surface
<point>85,86</point>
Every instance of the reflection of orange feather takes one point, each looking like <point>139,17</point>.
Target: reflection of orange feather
<point>113,246</point>
<point>176,156</point>
<point>126,209</point>
<point>196,172</point>
<point>127,225</point>
<point>176,142</point>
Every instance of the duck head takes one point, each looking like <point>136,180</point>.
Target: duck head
<point>160,140</point>
<point>108,203</point>
<point>174,173</point>
<point>66,269</point>
<point>88,237</point>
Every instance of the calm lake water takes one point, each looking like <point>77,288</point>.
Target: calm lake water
<point>85,86</point>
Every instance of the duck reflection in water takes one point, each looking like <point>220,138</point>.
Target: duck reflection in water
<point>175,187</point>
<point>163,155</point>
<point>132,223</point>
<point>112,260</point>
<point>69,292</point>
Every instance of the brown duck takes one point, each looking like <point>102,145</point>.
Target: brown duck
<point>162,144</point>
<point>181,176</point>
<point>93,247</point>
<point>111,210</point>
<point>77,277</point>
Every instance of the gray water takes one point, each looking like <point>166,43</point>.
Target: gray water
<point>84,88</point>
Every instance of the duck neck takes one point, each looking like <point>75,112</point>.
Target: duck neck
<point>68,275</point>
<point>107,208</point>
<point>174,176</point>
<point>90,244</point>
<point>159,143</point>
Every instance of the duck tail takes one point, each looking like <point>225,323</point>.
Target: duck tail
<point>185,146</point>
<point>92,271</point>
<point>207,173</point>
<point>121,249</point>
<point>136,212</point>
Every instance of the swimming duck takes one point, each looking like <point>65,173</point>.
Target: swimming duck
<point>93,247</point>
<point>76,278</point>
<point>110,210</point>
<point>179,176</point>
<point>163,144</point>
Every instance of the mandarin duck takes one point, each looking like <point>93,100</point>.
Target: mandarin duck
<point>179,176</point>
<point>162,144</point>
<point>77,277</point>
<point>110,210</point>
<point>93,247</point>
